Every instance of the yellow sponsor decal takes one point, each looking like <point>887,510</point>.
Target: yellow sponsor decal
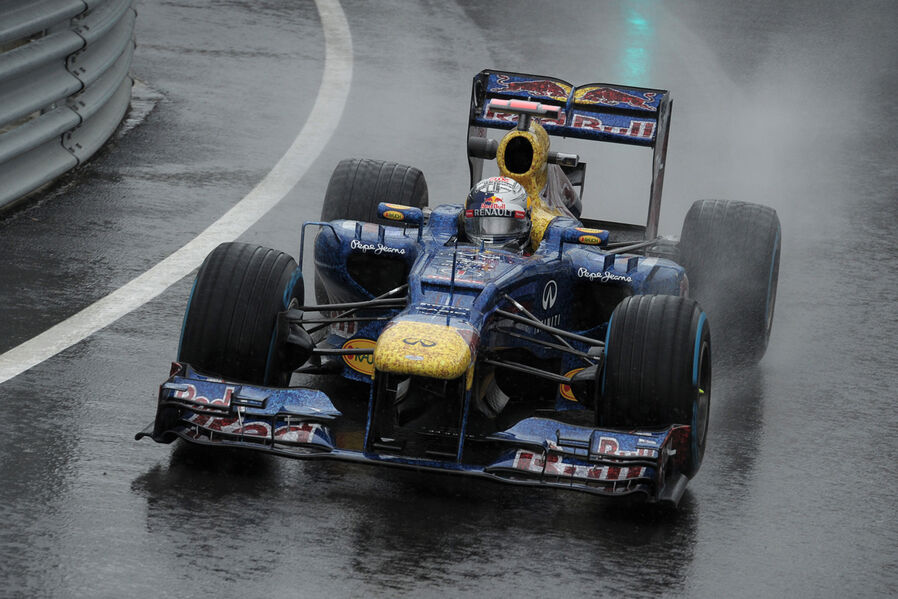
<point>565,389</point>
<point>394,215</point>
<point>590,236</point>
<point>363,363</point>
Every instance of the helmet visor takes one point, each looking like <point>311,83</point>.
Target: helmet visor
<point>497,229</point>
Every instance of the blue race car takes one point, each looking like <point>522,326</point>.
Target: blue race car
<point>510,338</point>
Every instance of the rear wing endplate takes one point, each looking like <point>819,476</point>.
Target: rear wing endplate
<point>596,111</point>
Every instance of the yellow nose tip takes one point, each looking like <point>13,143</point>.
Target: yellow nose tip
<point>422,349</point>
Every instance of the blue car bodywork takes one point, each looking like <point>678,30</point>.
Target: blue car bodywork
<point>533,324</point>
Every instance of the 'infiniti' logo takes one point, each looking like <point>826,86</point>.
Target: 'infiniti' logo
<point>550,294</point>
<point>421,342</point>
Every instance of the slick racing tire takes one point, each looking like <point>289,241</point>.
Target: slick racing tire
<point>658,369</point>
<point>731,253</point>
<point>230,325</point>
<point>357,186</point>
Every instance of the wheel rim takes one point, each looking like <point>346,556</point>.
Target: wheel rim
<point>770,306</point>
<point>701,407</point>
<point>772,281</point>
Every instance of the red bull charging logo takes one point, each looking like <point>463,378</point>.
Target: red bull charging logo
<point>493,202</point>
<point>607,96</point>
<point>537,88</point>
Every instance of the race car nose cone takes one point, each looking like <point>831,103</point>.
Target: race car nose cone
<point>422,349</point>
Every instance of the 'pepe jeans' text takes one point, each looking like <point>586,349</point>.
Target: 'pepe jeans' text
<point>375,249</point>
<point>602,277</point>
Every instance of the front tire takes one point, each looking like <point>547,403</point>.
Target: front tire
<point>230,325</point>
<point>658,369</point>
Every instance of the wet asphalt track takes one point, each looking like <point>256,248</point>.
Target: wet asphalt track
<point>791,105</point>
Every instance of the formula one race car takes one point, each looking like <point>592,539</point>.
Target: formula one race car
<point>510,338</point>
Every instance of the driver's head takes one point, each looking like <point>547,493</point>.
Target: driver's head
<point>496,213</point>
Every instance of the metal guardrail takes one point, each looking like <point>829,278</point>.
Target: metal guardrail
<point>64,86</point>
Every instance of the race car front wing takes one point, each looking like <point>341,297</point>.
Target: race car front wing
<point>302,423</point>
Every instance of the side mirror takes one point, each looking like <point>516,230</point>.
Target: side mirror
<point>584,236</point>
<point>407,215</point>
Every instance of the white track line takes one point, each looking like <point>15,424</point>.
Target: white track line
<point>316,132</point>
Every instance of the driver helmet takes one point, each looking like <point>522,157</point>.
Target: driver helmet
<point>496,213</point>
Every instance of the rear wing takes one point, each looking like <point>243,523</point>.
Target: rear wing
<point>596,111</point>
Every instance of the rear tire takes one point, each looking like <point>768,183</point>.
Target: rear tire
<point>230,325</point>
<point>731,253</point>
<point>658,369</point>
<point>357,186</point>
